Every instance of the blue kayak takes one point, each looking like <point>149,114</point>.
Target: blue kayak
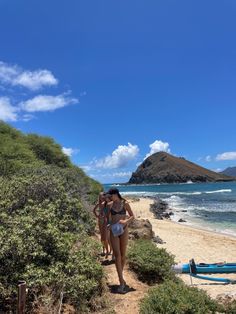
<point>203,268</point>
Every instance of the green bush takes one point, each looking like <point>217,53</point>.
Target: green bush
<point>177,298</point>
<point>44,228</point>
<point>151,263</point>
<point>47,150</point>
<point>230,307</point>
<point>18,151</point>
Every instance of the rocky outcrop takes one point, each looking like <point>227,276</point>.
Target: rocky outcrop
<point>140,229</point>
<point>162,167</point>
<point>161,209</point>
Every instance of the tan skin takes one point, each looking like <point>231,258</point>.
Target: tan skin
<point>119,244</point>
<point>102,221</point>
<point>108,201</point>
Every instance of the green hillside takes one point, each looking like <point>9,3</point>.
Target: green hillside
<point>45,225</point>
<point>18,150</point>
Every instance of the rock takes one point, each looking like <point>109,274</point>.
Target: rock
<point>158,240</point>
<point>181,220</point>
<point>162,167</point>
<point>166,215</point>
<point>159,208</point>
<point>140,229</point>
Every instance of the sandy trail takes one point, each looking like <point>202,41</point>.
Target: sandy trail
<point>129,302</point>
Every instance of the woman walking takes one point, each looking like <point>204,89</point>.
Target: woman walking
<point>118,211</point>
<point>102,221</point>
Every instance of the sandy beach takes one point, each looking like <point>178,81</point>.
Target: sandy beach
<point>187,242</point>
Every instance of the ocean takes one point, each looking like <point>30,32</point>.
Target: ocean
<point>210,206</point>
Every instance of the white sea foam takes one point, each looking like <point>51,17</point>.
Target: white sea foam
<point>156,193</point>
<point>139,193</point>
<point>219,191</point>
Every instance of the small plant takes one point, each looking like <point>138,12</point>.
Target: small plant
<point>151,263</point>
<point>230,307</point>
<point>174,297</point>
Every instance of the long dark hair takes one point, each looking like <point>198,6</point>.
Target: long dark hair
<point>117,192</point>
<point>101,194</point>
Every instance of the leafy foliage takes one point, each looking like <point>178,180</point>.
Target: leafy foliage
<point>230,307</point>
<point>18,151</point>
<point>14,152</point>
<point>149,262</point>
<point>44,234</point>
<point>47,150</point>
<point>45,225</point>
<point>177,298</point>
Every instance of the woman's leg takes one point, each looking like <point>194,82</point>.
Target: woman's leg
<point>100,224</point>
<point>123,245</point>
<point>109,240</point>
<point>104,238</point>
<point>115,242</point>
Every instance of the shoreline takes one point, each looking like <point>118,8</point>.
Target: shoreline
<point>183,224</point>
<point>186,242</point>
<point>178,214</point>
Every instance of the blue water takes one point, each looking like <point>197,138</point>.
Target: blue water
<point>208,205</point>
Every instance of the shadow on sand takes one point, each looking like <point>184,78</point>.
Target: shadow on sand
<point>114,288</point>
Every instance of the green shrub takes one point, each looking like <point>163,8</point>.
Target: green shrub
<point>44,228</point>
<point>177,298</point>
<point>230,307</point>
<point>151,263</point>
<point>47,150</point>
<point>18,151</point>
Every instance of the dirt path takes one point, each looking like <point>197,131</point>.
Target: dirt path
<point>129,302</point>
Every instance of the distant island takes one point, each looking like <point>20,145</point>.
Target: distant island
<point>162,167</point>
<point>230,171</point>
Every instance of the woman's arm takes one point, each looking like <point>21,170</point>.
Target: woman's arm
<point>131,214</point>
<point>94,210</point>
<point>108,213</point>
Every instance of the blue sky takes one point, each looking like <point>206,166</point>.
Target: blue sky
<point>113,81</point>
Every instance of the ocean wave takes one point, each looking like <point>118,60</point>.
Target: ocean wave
<point>156,193</point>
<point>139,193</point>
<point>212,210</point>
<point>219,191</point>
<point>180,193</point>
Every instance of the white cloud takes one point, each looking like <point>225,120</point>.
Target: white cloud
<point>226,156</point>
<point>218,170</point>
<point>70,151</point>
<point>119,157</point>
<point>158,146</point>
<point>122,174</point>
<point>208,158</point>
<point>33,80</point>
<point>27,117</point>
<point>86,168</point>
<point>7,111</point>
<point>47,103</point>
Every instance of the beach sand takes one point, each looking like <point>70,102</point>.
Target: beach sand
<point>187,242</point>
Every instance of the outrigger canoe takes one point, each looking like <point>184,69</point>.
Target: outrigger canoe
<point>203,268</point>
<point>196,270</point>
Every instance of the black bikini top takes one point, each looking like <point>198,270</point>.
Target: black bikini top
<point>121,212</point>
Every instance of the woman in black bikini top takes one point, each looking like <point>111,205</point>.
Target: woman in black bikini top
<point>121,212</point>
<point>118,212</point>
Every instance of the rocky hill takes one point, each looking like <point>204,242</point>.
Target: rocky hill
<point>162,167</point>
<point>230,171</point>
